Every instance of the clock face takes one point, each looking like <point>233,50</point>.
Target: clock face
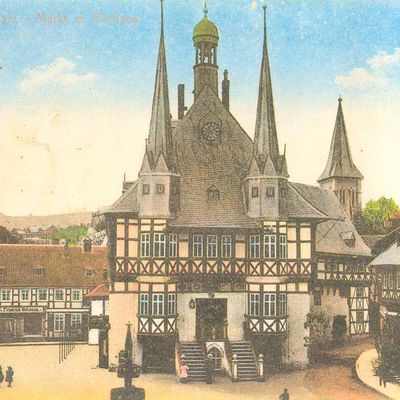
<point>211,132</point>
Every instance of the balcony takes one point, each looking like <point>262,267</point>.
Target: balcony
<point>266,325</point>
<point>157,325</point>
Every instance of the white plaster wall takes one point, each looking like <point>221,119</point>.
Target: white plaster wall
<point>123,308</point>
<point>298,306</point>
<point>332,305</point>
<point>96,307</point>
<point>94,336</point>
<point>236,308</point>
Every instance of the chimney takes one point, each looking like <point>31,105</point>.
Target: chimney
<point>225,90</point>
<point>87,245</point>
<point>181,101</point>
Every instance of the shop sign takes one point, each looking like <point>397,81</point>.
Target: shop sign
<point>15,309</point>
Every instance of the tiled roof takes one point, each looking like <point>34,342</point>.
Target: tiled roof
<point>99,291</point>
<point>391,256</point>
<point>331,234</point>
<point>127,202</point>
<point>63,267</point>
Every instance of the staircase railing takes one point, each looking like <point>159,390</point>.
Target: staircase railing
<point>228,348</point>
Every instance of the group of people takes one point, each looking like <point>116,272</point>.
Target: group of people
<point>9,376</point>
<point>184,370</point>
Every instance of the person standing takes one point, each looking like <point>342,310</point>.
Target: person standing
<point>9,376</point>
<point>284,395</point>
<point>1,376</point>
<point>183,371</point>
<point>209,369</point>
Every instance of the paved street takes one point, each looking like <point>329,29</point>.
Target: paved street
<point>38,376</point>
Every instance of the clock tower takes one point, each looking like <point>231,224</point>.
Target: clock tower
<point>205,39</point>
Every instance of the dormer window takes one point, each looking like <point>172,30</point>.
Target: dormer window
<point>254,192</point>
<point>89,271</point>
<point>270,191</point>
<point>349,238</point>
<point>160,188</point>
<point>38,271</point>
<point>145,188</point>
<point>213,193</point>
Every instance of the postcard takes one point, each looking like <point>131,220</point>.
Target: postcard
<point>199,200</point>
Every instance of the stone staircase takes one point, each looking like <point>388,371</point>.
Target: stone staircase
<point>194,359</point>
<point>247,363</point>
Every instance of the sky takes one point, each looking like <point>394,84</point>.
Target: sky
<point>76,86</point>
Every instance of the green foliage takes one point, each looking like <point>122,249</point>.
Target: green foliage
<point>73,234</point>
<point>370,220</point>
<point>320,331</point>
<point>387,365</point>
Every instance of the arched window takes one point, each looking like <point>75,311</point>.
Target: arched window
<point>216,357</point>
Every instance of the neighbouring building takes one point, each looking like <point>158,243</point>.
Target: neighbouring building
<point>42,289</point>
<point>98,321</point>
<point>213,248</point>
<point>386,293</point>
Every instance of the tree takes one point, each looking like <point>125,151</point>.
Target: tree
<point>370,220</point>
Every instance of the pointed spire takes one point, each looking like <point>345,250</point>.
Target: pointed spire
<point>205,9</point>
<point>340,162</point>
<point>159,139</point>
<point>265,138</point>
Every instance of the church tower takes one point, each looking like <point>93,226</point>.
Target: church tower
<point>205,39</point>
<point>158,194</point>
<point>266,182</point>
<point>340,174</point>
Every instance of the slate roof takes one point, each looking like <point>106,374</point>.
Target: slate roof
<point>391,256</point>
<point>128,202</point>
<point>63,267</point>
<point>331,234</point>
<point>340,162</point>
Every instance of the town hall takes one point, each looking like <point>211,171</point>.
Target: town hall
<point>213,250</point>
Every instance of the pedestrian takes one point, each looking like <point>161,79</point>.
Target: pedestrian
<point>284,395</point>
<point>1,376</point>
<point>183,371</point>
<point>209,369</point>
<point>9,376</point>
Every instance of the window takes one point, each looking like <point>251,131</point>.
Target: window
<point>360,316</point>
<point>226,246</point>
<point>282,304</point>
<point>282,246</point>
<point>144,304</point>
<point>159,245</point>
<point>2,271</point>
<point>6,295</point>
<point>59,322</point>
<point>38,271</point>
<point>269,191</point>
<point>197,246</point>
<point>171,304</point>
<point>76,295</point>
<point>76,319</point>
<point>213,193</point>
<point>158,304</point>
<point>254,192</point>
<point>89,271</point>
<point>359,292</point>
<point>42,294</point>
<point>145,244</point>
<point>212,246</point>
<point>269,246</point>
<point>24,294</point>
<point>270,304</point>
<point>216,358</point>
<point>173,245</point>
<point>59,294</point>
<point>390,280</point>
<point>160,188</point>
<point>145,188</point>
<point>254,304</point>
<point>255,246</point>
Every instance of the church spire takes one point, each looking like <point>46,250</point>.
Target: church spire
<point>159,144</point>
<point>265,138</point>
<point>340,162</point>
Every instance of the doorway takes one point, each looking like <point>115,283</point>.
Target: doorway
<point>210,319</point>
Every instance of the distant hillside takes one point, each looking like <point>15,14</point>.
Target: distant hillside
<point>59,220</point>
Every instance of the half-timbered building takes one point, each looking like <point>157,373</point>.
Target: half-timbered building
<point>42,289</point>
<point>213,249</point>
